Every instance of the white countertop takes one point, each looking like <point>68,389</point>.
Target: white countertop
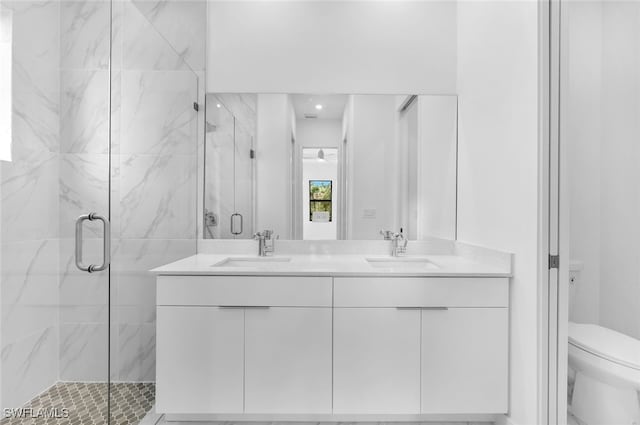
<point>333,265</point>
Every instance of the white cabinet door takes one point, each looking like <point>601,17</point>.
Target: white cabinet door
<point>376,360</point>
<point>199,360</point>
<point>465,360</point>
<point>288,360</point>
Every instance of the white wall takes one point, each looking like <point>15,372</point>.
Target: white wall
<point>583,129</point>
<point>602,130</point>
<point>620,154</point>
<point>372,173</point>
<point>273,164</point>
<point>437,150</point>
<point>498,165</point>
<point>319,133</point>
<point>332,47</point>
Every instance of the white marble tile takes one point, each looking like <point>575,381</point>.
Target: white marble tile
<point>85,34</point>
<point>29,366</point>
<point>30,197</point>
<point>35,50</point>
<point>35,76</point>
<point>29,288</point>
<point>200,154</point>
<point>157,114</point>
<point>35,111</point>
<point>158,196</point>
<point>83,352</point>
<point>182,23</point>
<point>84,120</point>
<point>136,295</point>
<point>219,170</point>
<point>83,296</point>
<point>143,47</point>
<point>243,106</point>
<point>84,188</point>
<point>116,110</point>
<point>137,358</point>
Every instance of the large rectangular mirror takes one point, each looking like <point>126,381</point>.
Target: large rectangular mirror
<point>339,166</point>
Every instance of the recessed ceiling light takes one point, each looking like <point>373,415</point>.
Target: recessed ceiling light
<point>218,105</point>
<point>318,106</point>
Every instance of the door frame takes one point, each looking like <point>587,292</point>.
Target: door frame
<point>553,220</point>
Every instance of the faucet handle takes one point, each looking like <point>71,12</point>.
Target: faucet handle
<point>272,246</point>
<point>387,234</point>
<point>265,234</point>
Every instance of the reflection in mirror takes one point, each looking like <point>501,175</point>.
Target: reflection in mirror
<point>330,166</point>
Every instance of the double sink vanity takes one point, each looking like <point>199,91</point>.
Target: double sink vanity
<point>334,331</point>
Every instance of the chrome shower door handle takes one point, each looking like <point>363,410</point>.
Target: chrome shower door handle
<point>237,218</point>
<point>106,243</point>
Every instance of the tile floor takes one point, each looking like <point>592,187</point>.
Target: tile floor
<point>86,404</point>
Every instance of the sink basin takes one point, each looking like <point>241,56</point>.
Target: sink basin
<point>252,261</point>
<point>401,263</point>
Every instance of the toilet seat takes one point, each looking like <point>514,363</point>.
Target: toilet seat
<point>606,343</point>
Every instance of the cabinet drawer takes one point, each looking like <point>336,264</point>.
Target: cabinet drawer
<point>421,292</point>
<point>274,291</point>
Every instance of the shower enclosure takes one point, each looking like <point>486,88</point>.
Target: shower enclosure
<point>229,197</point>
<point>98,134</point>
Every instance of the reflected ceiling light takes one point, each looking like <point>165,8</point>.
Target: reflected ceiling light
<point>318,106</point>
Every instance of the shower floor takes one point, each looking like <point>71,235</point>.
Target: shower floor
<point>86,404</point>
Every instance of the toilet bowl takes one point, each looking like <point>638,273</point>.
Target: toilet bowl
<point>606,364</point>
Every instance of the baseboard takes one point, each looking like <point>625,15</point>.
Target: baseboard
<point>504,420</point>
<point>203,419</point>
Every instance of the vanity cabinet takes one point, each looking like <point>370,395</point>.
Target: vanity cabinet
<point>464,360</point>
<point>200,359</point>
<point>243,344</point>
<point>287,345</point>
<point>288,360</point>
<point>376,360</point>
<point>420,345</point>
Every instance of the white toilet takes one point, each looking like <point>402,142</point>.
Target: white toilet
<point>606,365</point>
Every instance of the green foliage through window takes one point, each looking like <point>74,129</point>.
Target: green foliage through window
<point>320,192</point>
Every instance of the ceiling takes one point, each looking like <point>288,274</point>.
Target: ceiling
<point>332,105</point>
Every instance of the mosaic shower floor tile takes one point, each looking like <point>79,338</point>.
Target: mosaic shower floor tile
<point>76,403</point>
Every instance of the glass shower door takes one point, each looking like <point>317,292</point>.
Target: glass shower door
<point>98,165</point>
<point>54,326</point>
<point>153,187</point>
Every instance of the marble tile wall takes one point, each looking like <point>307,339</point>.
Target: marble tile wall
<point>158,46</point>
<point>84,184</point>
<point>54,318</point>
<point>29,207</point>
<point>153,170</point>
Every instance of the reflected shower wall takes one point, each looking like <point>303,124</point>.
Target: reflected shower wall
<point>229,197</point>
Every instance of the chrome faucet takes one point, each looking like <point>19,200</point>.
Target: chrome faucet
<point>398,242</point>
<point>264,247</point>
<point>386,234</point>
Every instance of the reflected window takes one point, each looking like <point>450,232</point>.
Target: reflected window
<point>320,200</point>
